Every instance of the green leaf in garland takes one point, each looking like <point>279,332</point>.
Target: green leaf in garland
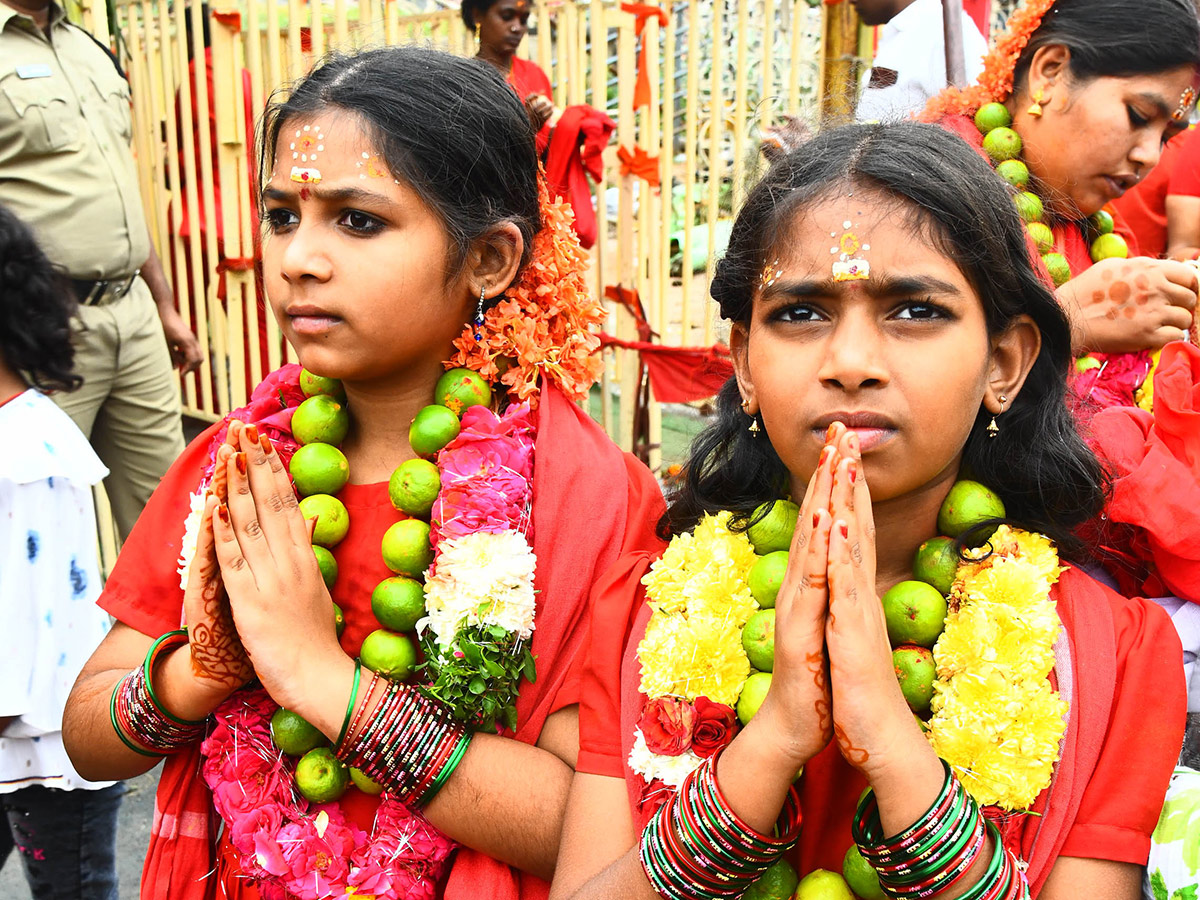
<point>477,685</point>
<point>1158,885</point>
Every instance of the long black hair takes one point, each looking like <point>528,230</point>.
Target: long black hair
<point>36,306</point>
<point>1117,38</point>
<point>449,127</point>
<point>1038,464</point>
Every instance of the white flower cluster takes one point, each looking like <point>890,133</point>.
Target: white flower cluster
<point>480,579</point>
<point>670,770</point>
<point>191,535</point>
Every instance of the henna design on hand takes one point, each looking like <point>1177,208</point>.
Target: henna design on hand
<point>216,650</point>
<point>820,582</point>
<point>856,756</point>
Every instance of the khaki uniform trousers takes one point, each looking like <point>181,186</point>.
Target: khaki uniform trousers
<point>128,405</point>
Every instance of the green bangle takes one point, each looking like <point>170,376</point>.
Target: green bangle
<point>350,706</point>
<point>148,664</point>
<point>447,770</point>
<point>112,713</point>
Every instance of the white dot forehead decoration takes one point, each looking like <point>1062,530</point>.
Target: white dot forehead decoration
<point>771,273</point>
<point>308,144</point>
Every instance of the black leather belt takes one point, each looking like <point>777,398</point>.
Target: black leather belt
<point>93,293</point>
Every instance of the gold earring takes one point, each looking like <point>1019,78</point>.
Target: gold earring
<point>754,428</point>
<point>993,429</point>
<point>1035,110</point>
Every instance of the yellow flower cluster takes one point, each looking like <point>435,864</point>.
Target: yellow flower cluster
<point>701,599</point>
<point>996,720</point>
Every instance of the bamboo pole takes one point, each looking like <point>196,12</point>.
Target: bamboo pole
<point>766,113</point>
<point>740,102</point>
<point>716,127</point>
<point>599,86</point>
<point>666,177</point>
<point>691,166</point>
<point>839,70</point>
<point>626,257</point>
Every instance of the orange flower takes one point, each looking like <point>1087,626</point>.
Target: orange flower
<point>995,83</point>
<point>546,327</point>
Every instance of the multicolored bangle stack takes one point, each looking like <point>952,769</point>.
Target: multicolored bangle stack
<point>938,849</point>
<point>139,719</point>
<point>410,744</point>
<point>696,847</point>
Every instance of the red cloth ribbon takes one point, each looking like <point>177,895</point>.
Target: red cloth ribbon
<point>576,151</point>
<point>642,12</point>
<point>680,374</point>
<point>231,20</point>
<point>629,298</point>
<point>236,264</point>
<point>640,163</point>
<point>1150,530</point>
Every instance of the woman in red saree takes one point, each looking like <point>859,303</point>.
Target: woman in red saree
<point>406,232</point>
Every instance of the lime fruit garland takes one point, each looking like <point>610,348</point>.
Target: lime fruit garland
<point>319,469</point>
<point>1003,146</point>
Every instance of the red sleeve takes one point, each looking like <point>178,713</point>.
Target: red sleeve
<point>1185,175</point>
<point>143,590</point>
<point>1122,801</point>
<point>616,601</point>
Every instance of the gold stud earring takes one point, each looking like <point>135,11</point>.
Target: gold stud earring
<point>1035,109</point>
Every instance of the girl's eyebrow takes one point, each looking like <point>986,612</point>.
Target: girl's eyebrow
<point>330,195</point>
<point>876,286</point>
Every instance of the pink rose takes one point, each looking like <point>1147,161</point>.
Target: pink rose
<point>716,725</point>
<point>270,409</point>
<point>247,781</point>
<point>254,826</point>
<point>317,865</point>
<point>654,795</point>
<point>666,724</point>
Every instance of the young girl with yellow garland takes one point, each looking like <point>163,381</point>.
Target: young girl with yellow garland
<point>891,340</point>
<point>406,235</point>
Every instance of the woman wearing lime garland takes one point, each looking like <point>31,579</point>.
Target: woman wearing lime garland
<point>1072,109</point>
<point>889,335</point>
<point>406,233</point>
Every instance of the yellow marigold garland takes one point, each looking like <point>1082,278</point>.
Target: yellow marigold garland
<point>700,594</point>
<point>996,720</point>
<point>547,324</point>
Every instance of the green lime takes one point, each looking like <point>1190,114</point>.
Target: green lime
<point>776,520</point>
<point>319,468</point>
<point>406,549</point>
<point>1109,246</point>
<point>365,784</point>
<point>1101,222</point>
<point>320,418</point>
<point>991,116</point>
<point>776,883</point>
<point>758,640</point>
<point>320,776</point>
<point>398,603</point>
<point>754,691</point>
<point>293,734</point>
<point>861,876</point>
<point>1002,143</point>
<point>915,613</point>
<point>821,884</point>
<point>1086,363</point>
<point>1058,267</point>
<point>459,389</point>
<point>311,385</point>
<point>936,563</point>
<point>339,620</point>
<point>916,672</point>
<point>1042,236</point>
<point>388,654</point>
<point>332,519</point>
<point>766,576</point>
<point>327,564</point>
<point>1029,206</point>
<point>432,429</point>
<point>414,486</point>
<point>1014,172</point>
<point>968,504</point>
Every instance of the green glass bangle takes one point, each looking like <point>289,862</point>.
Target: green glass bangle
<point>994,870</point>
<point>148,664</point>
<point>350,706</point>
<point>447,770</point>
<point>112,713</point>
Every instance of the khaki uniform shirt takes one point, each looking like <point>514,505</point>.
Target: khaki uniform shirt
<point>66,168</point>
